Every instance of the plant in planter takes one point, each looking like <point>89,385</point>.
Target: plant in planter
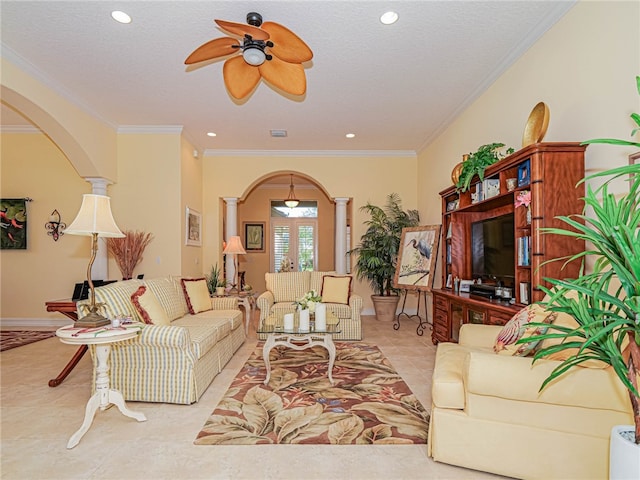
<point>477,163</point>
<point>215,282</point>
<point>378,249</point>
<point>606,302</point>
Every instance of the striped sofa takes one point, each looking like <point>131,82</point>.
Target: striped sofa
<point>170,363</point>
<point>285,288</point>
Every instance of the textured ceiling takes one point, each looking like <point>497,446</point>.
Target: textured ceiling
<point>396,87</point>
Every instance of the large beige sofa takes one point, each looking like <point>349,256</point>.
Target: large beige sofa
<point>487,413</point>
<point>173,363</point>
<point>283,289</point>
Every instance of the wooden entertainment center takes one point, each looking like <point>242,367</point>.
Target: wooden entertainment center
<point>550,172</point>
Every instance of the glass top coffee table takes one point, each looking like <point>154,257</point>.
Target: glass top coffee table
<point>297,339</point>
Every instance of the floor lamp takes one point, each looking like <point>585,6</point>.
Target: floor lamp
<point>94,220</point>
<point>234,247</point>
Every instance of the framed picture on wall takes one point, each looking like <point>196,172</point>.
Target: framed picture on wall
<point>193,228</point>
<point>254,236</point>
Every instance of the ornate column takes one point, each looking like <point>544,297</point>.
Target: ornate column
<point>100,269</point>
<point>232,229</point>
<point>341,234</point>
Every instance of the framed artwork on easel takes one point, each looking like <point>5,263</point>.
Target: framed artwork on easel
<point>417,258</point>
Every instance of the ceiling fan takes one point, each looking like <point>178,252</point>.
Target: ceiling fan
<point>268,50</point>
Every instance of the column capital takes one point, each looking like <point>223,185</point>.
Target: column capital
<point>230,200</point>
<point>341,200</point>
<point>98,184</point>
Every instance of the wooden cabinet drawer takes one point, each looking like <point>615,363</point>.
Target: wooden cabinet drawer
<point>441,302</point>
<point>498,318</point>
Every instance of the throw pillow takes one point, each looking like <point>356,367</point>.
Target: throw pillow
<point>148,306</point>
<point>197,294</point>
<point>517,328</point>
<point>335,289</point>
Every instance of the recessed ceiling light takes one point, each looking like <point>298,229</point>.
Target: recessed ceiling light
<point>121,17</point>
<point>389,17</point>
<point>350,135</point>
<point>211,134</point>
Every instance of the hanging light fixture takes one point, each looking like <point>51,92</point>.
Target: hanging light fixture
<point>291,201</point>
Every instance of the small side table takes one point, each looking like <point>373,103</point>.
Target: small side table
<point>102,337</point>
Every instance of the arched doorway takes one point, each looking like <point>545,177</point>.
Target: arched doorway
<point>258,206</point>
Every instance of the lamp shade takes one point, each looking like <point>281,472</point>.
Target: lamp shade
<point>234,245</point>
<point>94,217</point>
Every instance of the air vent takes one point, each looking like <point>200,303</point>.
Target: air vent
<point>278,133</point>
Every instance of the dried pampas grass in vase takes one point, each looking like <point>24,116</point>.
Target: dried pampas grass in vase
<point>127,251</point>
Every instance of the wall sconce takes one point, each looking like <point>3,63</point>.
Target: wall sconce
<point>54,226</point>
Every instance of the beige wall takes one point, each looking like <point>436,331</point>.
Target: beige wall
<point>32,166</point>
<point>191,196</point>
<point>584,69</point>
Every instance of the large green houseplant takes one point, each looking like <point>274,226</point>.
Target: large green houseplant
<point>606,301</point>
<point>378,249</point>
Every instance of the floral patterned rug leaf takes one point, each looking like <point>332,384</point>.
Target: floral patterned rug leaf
<point>369,402</point>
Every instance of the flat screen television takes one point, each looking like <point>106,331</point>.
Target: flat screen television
<point>493,250</point>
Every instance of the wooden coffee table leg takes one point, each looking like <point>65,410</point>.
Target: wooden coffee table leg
<point>54,382</point>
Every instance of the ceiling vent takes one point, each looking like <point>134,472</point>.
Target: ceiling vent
<point>278,133</point>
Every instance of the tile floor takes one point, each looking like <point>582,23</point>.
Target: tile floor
<point>37,422</point>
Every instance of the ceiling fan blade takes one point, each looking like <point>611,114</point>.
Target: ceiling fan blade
<point>242,29</point>
<point>286,76</point>
<point>213,49</point>
<point>287,45</point>
<point>240,78</point>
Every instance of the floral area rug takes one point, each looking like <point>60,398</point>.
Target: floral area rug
<point>369,402</point>
<point>16,338</point>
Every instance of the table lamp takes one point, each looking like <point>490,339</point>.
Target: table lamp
<point>235,248</point>
<point>94,220</point>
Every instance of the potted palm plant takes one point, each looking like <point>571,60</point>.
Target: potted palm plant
<point>378,252</point>
<point>606,301</point>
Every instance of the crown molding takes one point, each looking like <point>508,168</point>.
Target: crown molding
<point>150,129</point>
<point>309,153</point>
<point>30,129</point>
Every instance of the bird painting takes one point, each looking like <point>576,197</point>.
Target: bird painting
<point>13,221</point>
<point>416,257</point>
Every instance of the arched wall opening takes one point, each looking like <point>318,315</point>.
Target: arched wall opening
<point>53,129</point>
<point>254,207</point>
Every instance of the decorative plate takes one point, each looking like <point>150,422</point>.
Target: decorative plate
<point>537,125</point>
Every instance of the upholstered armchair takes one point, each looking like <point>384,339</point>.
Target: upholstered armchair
<point>488,413</point>
<point>283,289</point>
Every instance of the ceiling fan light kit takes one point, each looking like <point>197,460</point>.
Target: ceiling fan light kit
<point>280,66</point>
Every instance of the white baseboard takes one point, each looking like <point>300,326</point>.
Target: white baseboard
<point>28,323</point>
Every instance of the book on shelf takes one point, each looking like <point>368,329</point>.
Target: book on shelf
<point>449,235</point>
<point>524,251</point>
<point>524,292</point>
<point>448,253</point>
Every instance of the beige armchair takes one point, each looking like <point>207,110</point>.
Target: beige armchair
<point>487,413</point>
<point>283,289</point>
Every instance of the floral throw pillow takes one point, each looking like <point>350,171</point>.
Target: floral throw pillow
<point>518,328</point>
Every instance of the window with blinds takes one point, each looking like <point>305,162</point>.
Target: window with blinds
<point>294,237</point>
